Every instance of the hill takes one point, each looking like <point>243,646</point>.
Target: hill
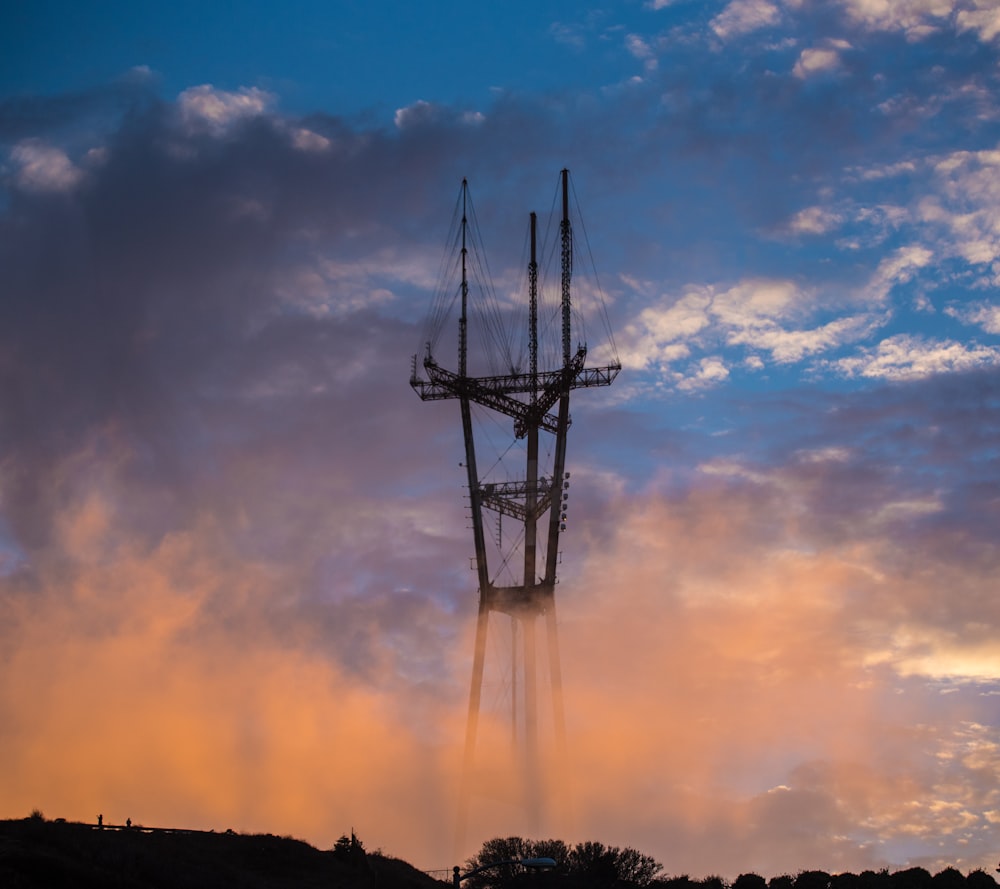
<point>39,854</point>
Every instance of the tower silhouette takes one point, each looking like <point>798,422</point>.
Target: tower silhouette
<point>537,400</point>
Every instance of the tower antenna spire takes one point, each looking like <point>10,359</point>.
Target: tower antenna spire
<point>463,321</point>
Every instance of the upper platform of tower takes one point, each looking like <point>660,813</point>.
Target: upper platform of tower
<point>517,354</point>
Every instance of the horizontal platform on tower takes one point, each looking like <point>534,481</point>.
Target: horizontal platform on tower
<point>520,601</point>
<point>510,498</point>
<point>495,392</point>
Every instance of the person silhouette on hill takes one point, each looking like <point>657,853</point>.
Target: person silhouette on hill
<point>100,821</point>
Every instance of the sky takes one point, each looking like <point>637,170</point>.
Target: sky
<point>234,552</point>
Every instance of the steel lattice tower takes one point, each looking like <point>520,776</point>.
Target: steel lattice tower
<point>538,403</point>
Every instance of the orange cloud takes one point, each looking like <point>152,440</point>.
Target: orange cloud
<point>736,699</point>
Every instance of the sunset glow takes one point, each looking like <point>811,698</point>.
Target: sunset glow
<point>234,556</point>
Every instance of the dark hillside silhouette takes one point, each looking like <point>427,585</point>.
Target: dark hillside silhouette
<point>40,854</point>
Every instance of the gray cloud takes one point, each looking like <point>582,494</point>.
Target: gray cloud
<point>212,463</point>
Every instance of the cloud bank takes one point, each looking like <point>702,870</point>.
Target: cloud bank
<point>233,556</point>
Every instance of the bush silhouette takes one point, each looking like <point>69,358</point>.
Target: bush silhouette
<point>749,881</point>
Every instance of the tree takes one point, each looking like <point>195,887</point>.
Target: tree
<point>684,881</point>
<point>912,878</point>
<point>979,879</point>
<point>636,868</point>
<point>949,878</point>
<point>813,879</point>
<point>586,865</point>
<point>592,865</point>
<point>870,879</point>
<point>557,850</point>
<point>846,881</point>
<point>350,849</point>
<point>508,849</point>
<point>749,881</point>
<point>596,865</point>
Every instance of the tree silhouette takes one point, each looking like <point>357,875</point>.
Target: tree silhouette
<point>912,878</point>
<point>681,882</point>
<point>979,879</point>
<point>350,850</point>
<point>813,879</point>
<point>872,880</point>
<point>846,881</point>
<point>749,881</point>
<point>949,878</point>
<point>501,849</point>
<point>594,864</point>
<point>586,865</point>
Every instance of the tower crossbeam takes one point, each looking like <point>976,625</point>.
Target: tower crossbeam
<point>490,392</point>
<point>495,392</point>
<point>506,497</point>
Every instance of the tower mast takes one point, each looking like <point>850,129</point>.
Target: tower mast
<point>479,538</point>
<point>527,398</point>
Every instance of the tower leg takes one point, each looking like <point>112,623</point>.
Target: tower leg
<point>514,729</point>
<point>562,772</point>
<point>471,729</point>
<point>532,767</point>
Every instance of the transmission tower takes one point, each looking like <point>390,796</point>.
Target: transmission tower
<point>537,400</point>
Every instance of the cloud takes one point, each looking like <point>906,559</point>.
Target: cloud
<point>899,268</point>
<point>148,685</point>
<point>924,17</point>
<point>421,113</point>
<point>752,303</point>
<point>965,205</point>
<point>640,49</point>
<point>984,315</point>
<point>950,215</point>
<point>306,140</point>
<point>904,357</point>
<point>756,314</point>
<point>744,16</point>
<point>788,346</point>
<point>744,579</point>
<point>709,372</point>
<point>660,334</point>
<point>814,221</point>
<point>203,467</point>
<point>415,114</point>
<point>983,18</point>
<point>235,557</point>
<point>916,19</point>
<point>208,109</point>
<point>756,642</point>
<point>762,315</point>
<point>816,60</point>
<point>43,168</point>
<point>568,34</point>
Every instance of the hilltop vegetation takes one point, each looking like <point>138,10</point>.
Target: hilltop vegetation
<point>40,854</point>
<point>596,866</point>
